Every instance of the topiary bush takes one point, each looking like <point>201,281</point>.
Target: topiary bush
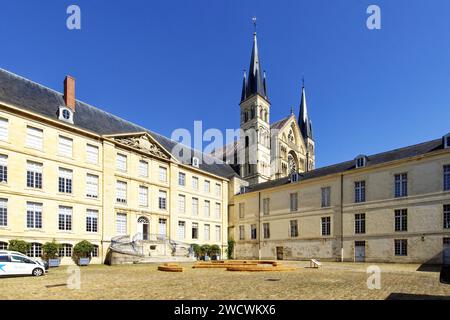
<point>82,249</point>
<point>19,246</point>
<point>230,249</point>
<point>50,250</point>
<point>214,251</point>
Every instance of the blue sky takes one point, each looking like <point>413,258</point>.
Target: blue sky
<point>165,64</point>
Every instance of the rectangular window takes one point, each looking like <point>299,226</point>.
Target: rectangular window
<point>35,250</point>
<point>65,180</point>
<point>253,232</point>
<point>207,232</point>
<point>195,183</point>
<point>162,224</point>
<point>194,230</point>
<point>241,210</point>
<point>447,216</point>
<point>65,250</point>
<point>65,147</point>
<point>143,196</point>
<point>94,253</point>
<point>181,203</point>
<point>121,224</point>
<point>65,218</point>
<point>207,186</point>
<point>195,206</point>
<point>3,129</point>
<point>35,138</point>
<point>3,168</point>
<point>447,178</point>
<point>207,208</point>
<point>401,220</point>
<point>34,175</point>
<point>162,200</point>
<point>401,247</point>
<point>293,228</point>
<point>181,231</point>
<point>218,190</point>
<point>218,233</point>
<point>360,191</point>
<point>218,211</point>
<point>143,168</point>
<point>266,228</point>
<point>162,174</point>
<point>401,185</point>
<point>294,202</point>
<point>91,220</point>
<point>241,232</point>
<point>34,215</point>
<point>360,223</point>
<point>121,192</point>
<point>266,206</point>
<point>3,212</point>
<point>181,179</point>
<point>326,226</point>
<point>326,197</point>
<point>91,186</point>
<point>121,162</point>
<point>91,154</point>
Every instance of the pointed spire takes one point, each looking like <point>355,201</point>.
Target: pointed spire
<point>244,87</point>
<point>303,120</point>
<point>256,82</point>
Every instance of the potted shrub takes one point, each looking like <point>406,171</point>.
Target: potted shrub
<point>205,251</point>
<point>19,246</point>
<point>50,253</point>
<point>82,253</point>
<point>215,252</point>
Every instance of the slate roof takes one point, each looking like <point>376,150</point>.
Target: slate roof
<point>31,96</point>
<point>345,167</point>
<point>280,123</point>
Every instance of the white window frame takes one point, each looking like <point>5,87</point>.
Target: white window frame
<point>162,174</point>
<point>206,232</point>
<point>241,233</point>
<point>182,179</point>
<point>162,200</point>
<point>92,186</point>
<point>181,203</point>
<point>35,171</point>
<point>207,208</point>
<point>92,153</point>
<point>143,168</point>
<point>195,183</point>
<point>3,212</point>
<point>401,185</point>
<point>34,215</point>
<point>446,177</point>
<point>3,168</point>
<point>121,223</point>
<point>360,191</point>
<point>195,206</point>
<point>121,162</point>
<point>65,218</point>
<point>293,197</point>
<point>4,129</point>
<point>181,230</point>
<point>143,196</point>
<point>121,192</point>
<point>65,181</point>
<point>207,186</point>
<point>218,210</point>
<point>218,190</point>
<point>35,138</point>
<point>92,221</point>
<point>65,146</point>
<point>326,197</point>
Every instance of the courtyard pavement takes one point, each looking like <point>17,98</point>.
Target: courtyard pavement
<point>333,281</point>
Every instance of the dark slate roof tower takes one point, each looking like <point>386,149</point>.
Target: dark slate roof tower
<point>256,82</point>
<point>304,122</point>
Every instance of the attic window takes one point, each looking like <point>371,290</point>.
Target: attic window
<point>447,141</point>
<point>65,114</point>
<point>195,162</point>
<point>294,177</point>
<point>361,161</point>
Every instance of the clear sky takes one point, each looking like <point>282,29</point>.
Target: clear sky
<point>165,64</point>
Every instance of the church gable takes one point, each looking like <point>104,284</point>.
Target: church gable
<point>290,133</point>
<point>141,142</point>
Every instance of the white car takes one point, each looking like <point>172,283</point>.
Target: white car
<point>15,263</point>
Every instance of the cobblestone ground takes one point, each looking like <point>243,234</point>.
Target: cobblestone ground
<point>332,281</point>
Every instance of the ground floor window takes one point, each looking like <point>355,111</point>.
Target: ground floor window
<point>3,246</point>
<point>360,223</point>
<point>35,250</point>
<point>253,232</point>
<point>266,228</point>
<point>447,216</point>
<point>294,228</point>
<point>94,253</point>
<point>65,250</point>
<point>401,247</point>
<point>326,226</point>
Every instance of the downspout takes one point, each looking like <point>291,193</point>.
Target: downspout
<point>259,225</point>
<point>342,218</point>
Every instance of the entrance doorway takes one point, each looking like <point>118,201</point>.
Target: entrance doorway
<point>446,252</point>
<point>360,251</point>
<point>143,228</point>
<point>279,253</point>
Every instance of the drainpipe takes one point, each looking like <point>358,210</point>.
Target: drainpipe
<point>342,218</point>
<point>259,225</point>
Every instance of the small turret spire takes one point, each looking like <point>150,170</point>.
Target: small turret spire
<point>303,120</point>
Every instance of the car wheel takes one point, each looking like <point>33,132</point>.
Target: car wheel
<point>37,272</point>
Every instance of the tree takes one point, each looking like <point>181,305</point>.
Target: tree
<point>19,246</point>
<point>230,249</point>
<point>50,250</point>
<point>82,249</point>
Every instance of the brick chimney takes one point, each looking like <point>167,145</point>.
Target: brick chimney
<point>69,92</point>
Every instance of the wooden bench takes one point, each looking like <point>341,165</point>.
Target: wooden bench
<point>313,263</point>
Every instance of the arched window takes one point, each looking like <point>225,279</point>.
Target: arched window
<point>245,116</point>
<point>252,112</point>
<point>144,228</point>
<point>3,246</point>
<point>247,141</point>
<point>291,136</point>
<point>292,163</point>
<point>261,114</point>
<point>65,250</point>
<point>266,116</point>
<point>35,250</point>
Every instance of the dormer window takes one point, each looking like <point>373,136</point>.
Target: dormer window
<point>65,114</point>
<point>447,141</point>
<point>361,161</point>
<point>294,177</point>
<point>195,162</point>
